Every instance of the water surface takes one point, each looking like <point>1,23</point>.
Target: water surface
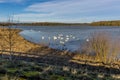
<point>65,37</point>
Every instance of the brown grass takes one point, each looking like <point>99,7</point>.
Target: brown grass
<point>100,50</point>
<point>20,44</point>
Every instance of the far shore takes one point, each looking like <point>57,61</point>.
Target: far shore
<point>97,23</point>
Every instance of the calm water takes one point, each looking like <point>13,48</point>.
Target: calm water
<point>64,37</point>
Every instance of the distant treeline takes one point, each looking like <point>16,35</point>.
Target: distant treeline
<point>100,23</point>
<point>43,24</point>
<point>106,23</point>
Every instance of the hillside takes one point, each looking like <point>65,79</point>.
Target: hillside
<point>106,23</point>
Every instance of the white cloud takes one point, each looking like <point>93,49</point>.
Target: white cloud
<point>70,6</point>
<point>63,10</point>
<point>32,15</point>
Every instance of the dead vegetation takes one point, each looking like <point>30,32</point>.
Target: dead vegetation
<point>100,50</point>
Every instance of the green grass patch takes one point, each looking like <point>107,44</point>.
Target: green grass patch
<point>31,74</point>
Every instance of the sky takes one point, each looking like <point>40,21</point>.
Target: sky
<point>75,11</point>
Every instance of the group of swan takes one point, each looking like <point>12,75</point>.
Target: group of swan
<point>60,37</point>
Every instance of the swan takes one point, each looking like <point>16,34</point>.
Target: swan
<point>87,40</point>
<point>43,37</point>
<point>61,42</point>
<point>54,37</point>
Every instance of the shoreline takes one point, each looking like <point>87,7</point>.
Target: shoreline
<point>25,46</point>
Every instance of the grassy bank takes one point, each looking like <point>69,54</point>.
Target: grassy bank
<point>19,43</point>
<point>54,67</point>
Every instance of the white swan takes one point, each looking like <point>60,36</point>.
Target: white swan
<point>87,40</point>
<point>49,38</point>
<point>43,37</point>
<point>61,42</point>
<point>54,37</point>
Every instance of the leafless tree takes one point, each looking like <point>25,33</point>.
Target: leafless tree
<point>9,38</point>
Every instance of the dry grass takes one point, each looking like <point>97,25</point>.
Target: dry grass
<point>19,43</point>
<point>100,50</point>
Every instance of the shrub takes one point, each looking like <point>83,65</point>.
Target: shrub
<point>99,44</point>
<point>102,46</point>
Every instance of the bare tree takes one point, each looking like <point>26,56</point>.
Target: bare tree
<point>9,38</point>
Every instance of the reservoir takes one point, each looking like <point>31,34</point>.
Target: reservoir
<point>65,37</point>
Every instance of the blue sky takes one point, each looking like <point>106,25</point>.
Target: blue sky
<point>60,10</point>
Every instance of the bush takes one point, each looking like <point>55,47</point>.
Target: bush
<point>99,44</point>
<point>102,46</point>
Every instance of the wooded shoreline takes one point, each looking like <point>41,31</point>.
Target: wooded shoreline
<point>43,24</point>
<point>98,23</point>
